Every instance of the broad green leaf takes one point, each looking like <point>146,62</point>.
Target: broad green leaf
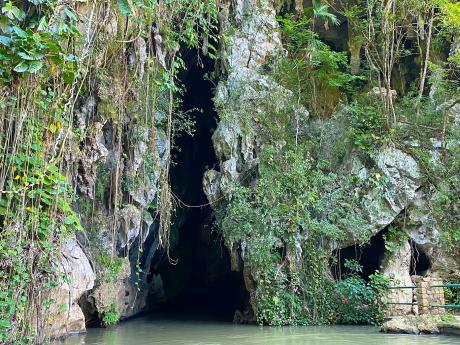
<point>21,33</point>
<point>25,56</point>
<point>43,24</point>
<point>21,67</point>
<point>5,324</point>
<point>124,7</point>
<point>35,66</point>
<point>12,11</point>
<point>5,40</point>
<point>68,77</point>
<point>70,14</point>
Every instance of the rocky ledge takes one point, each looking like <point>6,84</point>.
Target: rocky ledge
<point>423,324</point>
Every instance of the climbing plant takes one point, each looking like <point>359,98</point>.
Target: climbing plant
<point>36,49</point>
<point>297,208</point>
<point>361,302</point>
<point>48,60</point>
<point>317,74</point>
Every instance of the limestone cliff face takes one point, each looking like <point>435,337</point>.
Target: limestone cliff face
<point>251,28</point>
<point>66,316</point>
<point>115,159</point>
<point>243,95</point>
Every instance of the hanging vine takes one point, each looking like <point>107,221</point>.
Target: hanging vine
<point>48,59</point>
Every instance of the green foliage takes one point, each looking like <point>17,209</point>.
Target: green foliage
<point>35,216</point>
<point>366,126</point>
<point>125,7</point>
<point>448,317</point>
<point>316,74</point>
<point>111,266</point>
<point>452,294</point>
<point>360,302</point>
<point>321,11</point>
<point>439,166</point>
<point>449,16</point>
<point>41,58</point>
<point>32,38</point>
<point>295,209</point>
<point>294,204</point>
<point>395,238</point>
<point>111,316</point>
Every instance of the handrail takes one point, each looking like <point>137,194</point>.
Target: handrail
<point>403,287</point>
<point>449,306</point>
<point>446,285</point>
<point>403,303</point>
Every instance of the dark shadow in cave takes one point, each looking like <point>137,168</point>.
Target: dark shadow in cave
<point>420,263</point>
<point>201,284</point>
<point>370,257</point>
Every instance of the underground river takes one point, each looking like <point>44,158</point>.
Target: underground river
<point>181,331</point>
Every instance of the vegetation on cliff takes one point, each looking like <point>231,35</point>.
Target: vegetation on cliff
<point>75,74</point>
<point>302,205</point>
<point>55,58</point>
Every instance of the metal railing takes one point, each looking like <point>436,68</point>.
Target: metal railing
<point>403,287</point>
<point>446,306</point>
<point>446,285</point>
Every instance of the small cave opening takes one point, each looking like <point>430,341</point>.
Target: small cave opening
<point>420,264</point>
<point>369,256</point>
<point>196,278</point>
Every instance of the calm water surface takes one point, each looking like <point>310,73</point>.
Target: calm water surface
<point>149,330</point>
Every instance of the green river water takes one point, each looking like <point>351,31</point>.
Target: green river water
<point>149,330</point>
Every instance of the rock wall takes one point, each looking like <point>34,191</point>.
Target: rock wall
<point>241,100</point>
<point>66,316</point>
<point>397,266</point>
<point>114,159</point>
<point>429,294</point>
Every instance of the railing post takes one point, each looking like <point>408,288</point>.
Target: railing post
<point>428,295</point>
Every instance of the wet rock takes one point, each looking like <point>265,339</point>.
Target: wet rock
<point>426,324</point>
<point>401,325</point>
<point>451,326</point>
<point>65,315</point>
<point>117,293</point>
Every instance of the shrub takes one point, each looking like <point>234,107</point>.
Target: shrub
<point>360,302</point>
<point>111,316</point>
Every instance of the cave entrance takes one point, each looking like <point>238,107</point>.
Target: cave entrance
<point>369,256</point>
<point>420,263</point>
<point>201,283</point>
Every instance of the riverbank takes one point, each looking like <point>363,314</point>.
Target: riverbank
<point>423,324</point>
<point>152,330</point>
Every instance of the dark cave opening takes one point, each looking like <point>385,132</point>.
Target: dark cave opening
<point>420,263</point>
<point>201,283</point>
<point>369,256</point>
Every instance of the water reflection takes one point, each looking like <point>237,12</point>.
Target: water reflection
<point>148,330</point>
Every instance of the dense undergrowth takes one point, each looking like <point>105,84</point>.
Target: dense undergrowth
<point>37,72</point>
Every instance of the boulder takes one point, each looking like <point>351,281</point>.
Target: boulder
<point>65,315</point>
